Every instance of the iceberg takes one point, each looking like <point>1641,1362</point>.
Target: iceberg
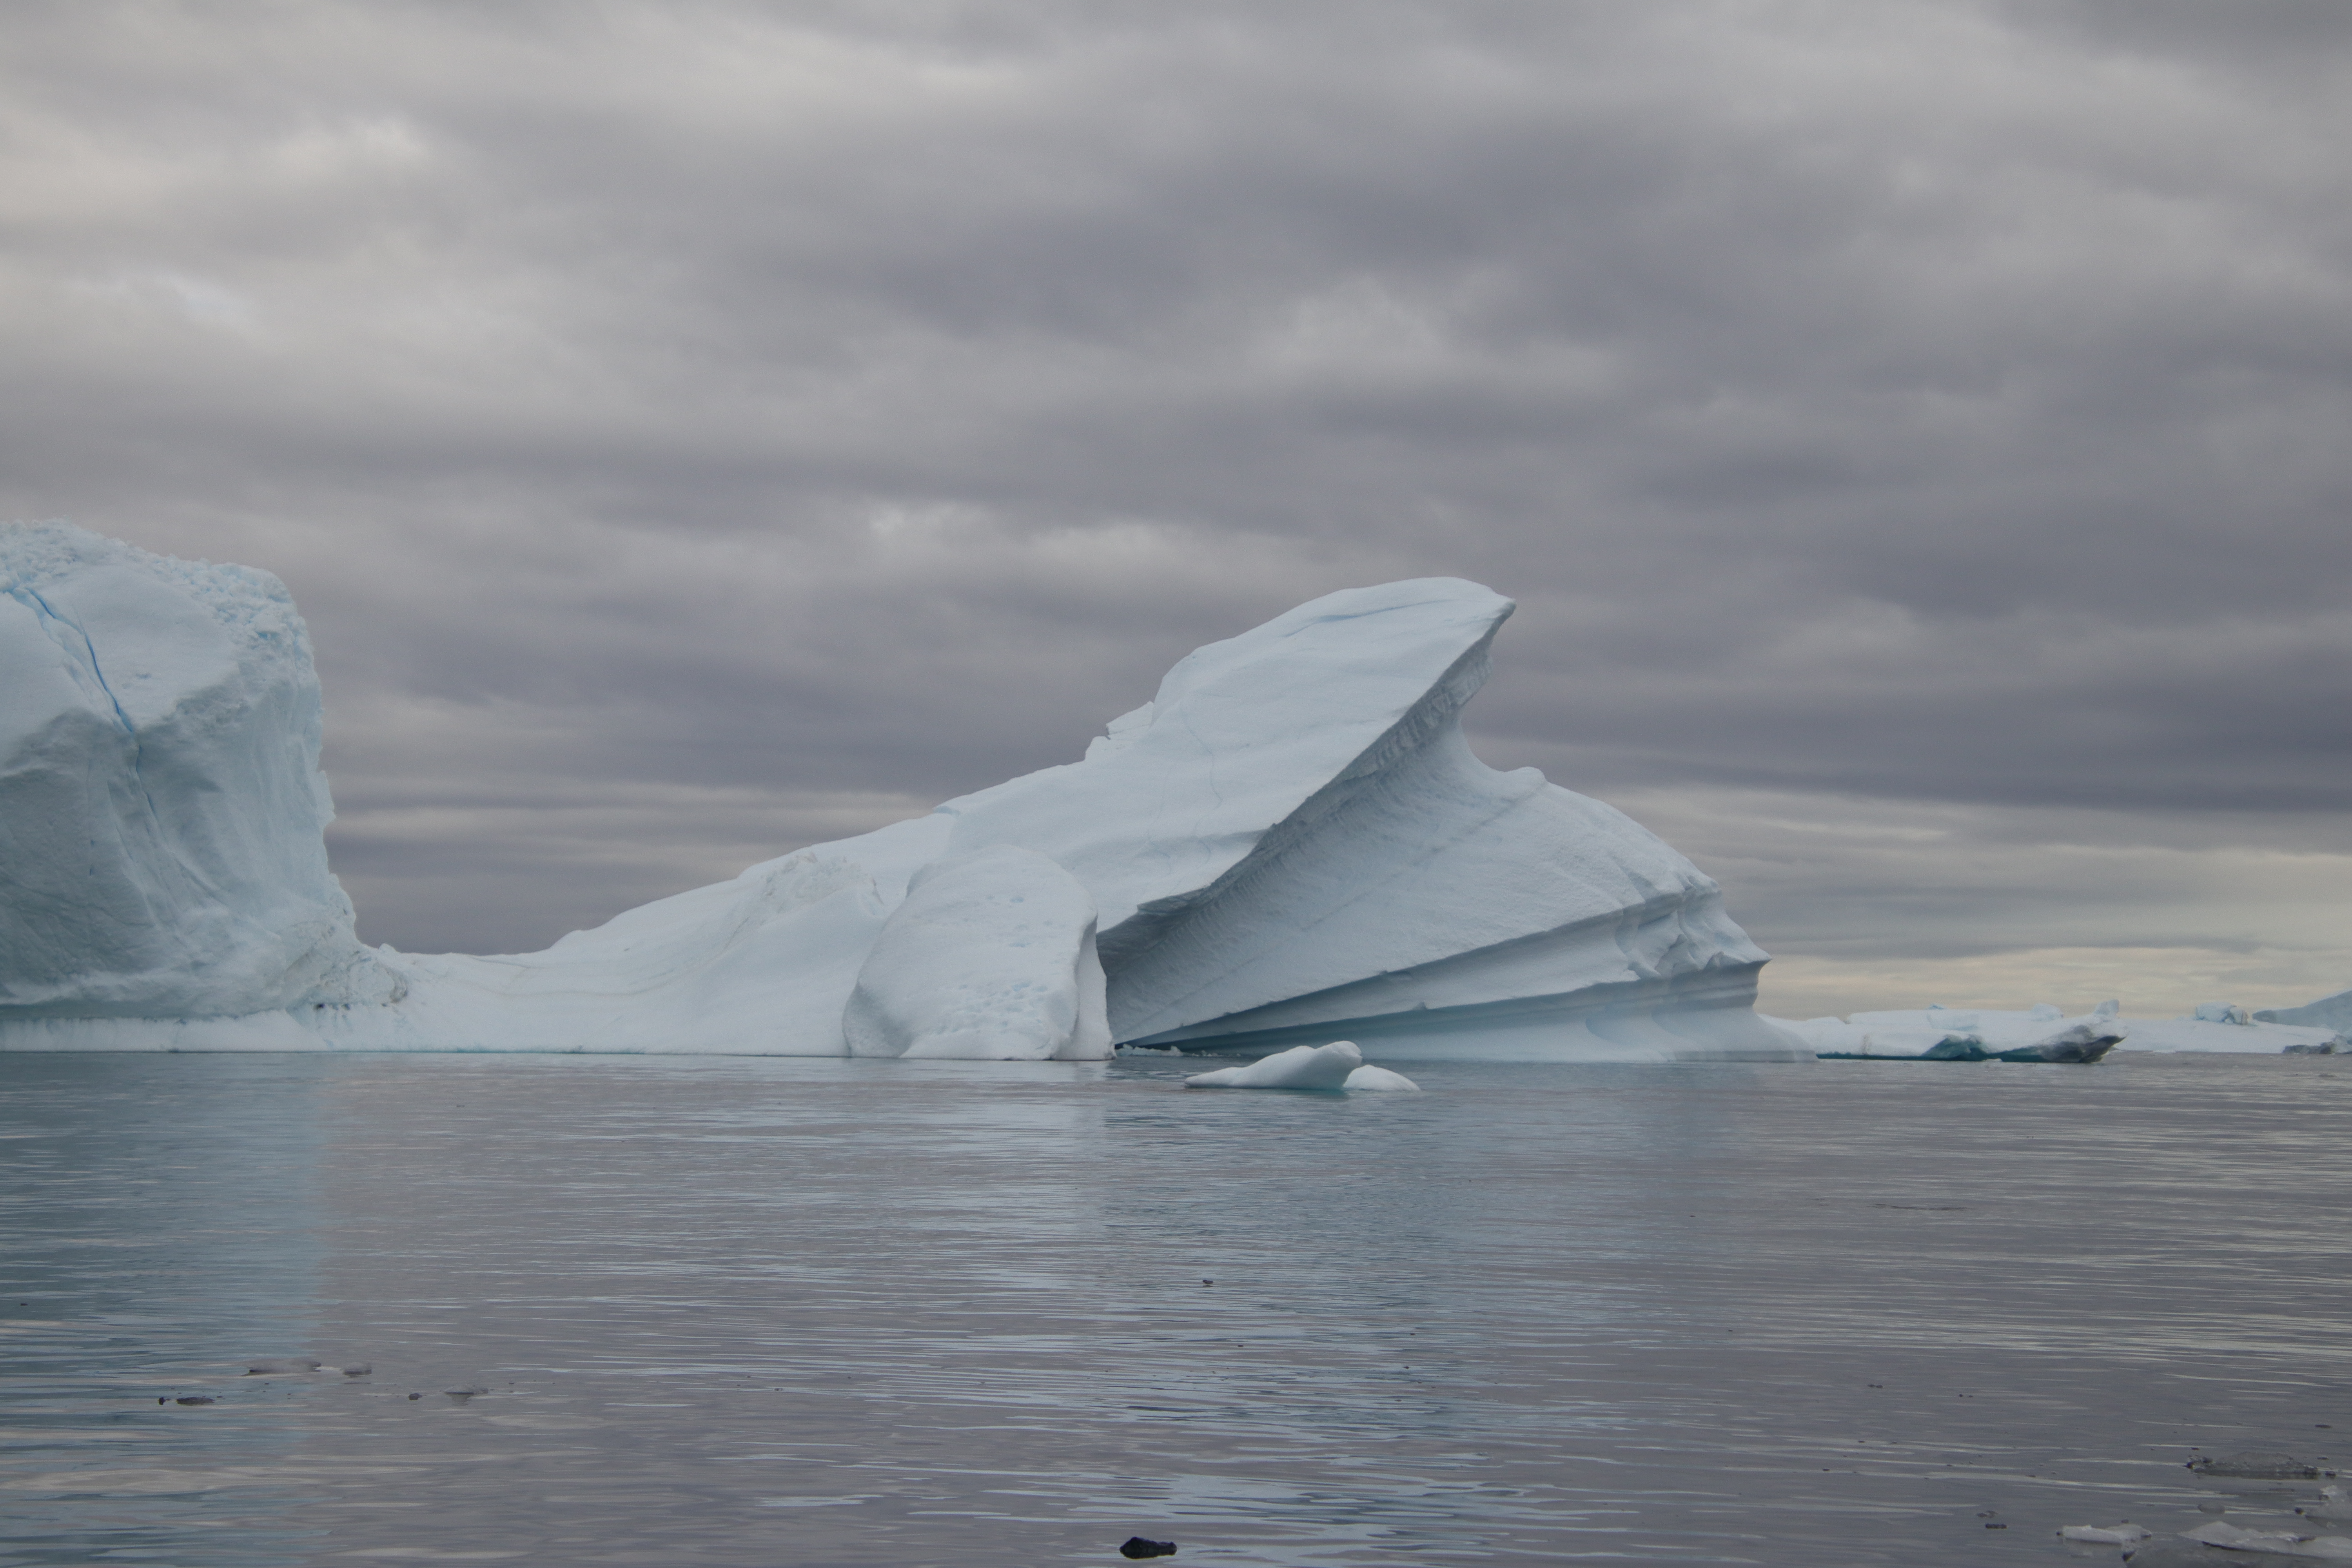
<point>2041,1034</point>
<point>1291,841</point>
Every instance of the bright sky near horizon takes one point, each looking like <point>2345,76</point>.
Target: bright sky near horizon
<point>1915,433</point>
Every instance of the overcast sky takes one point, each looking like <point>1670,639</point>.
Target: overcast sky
<point>1918,435</point>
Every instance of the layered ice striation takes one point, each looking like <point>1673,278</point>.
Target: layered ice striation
<point>1291,842</point>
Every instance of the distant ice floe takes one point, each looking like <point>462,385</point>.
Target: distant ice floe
<point>1291,841</point>
<point>2281,1542</point>
<point>2043,1033</point>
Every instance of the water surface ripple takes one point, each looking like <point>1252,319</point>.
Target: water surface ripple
<point>745,1311</point>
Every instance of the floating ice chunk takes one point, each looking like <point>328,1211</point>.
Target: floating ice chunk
<point>1369,1077</point>
<point>2221,1013</point>
<point>1301,1067</point>
<point>2107,1534</point>
<point>992,957</point>
<point>282,1366</point>
<point>2286,1544</point>
<point>2334,1503</point>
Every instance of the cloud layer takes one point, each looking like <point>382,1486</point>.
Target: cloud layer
<point>694,430</point>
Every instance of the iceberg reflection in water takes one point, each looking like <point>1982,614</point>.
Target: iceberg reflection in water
<point>757,1310</point>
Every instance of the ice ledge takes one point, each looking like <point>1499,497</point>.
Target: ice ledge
<point>1703,1016</point>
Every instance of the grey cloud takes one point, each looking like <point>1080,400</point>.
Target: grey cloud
<point>1925,402</point>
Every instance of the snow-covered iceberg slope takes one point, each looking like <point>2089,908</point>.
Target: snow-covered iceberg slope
<point>1290,842</point>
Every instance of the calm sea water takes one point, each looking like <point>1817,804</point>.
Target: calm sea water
<point>741,1311</point>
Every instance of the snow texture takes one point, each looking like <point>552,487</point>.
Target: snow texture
<point>1290,841</point>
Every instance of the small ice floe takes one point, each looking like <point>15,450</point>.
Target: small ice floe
<point>2124,1534</point>
<point>467,1391</point>
<point>1339,1065</point>
<point>2334,1502</point>
<point>2283,1543</point>
<point>2256,1465</point>
<point>302,1366</point>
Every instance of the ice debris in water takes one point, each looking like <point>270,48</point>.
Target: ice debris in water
<point>1339,1064</point>
<point>2124,1534</point>
<point>281,1365</point>
<point>2256,1465</point>
<point>2334,1503</point>
<point>1301,1067</point>
<point>2286,1543</point>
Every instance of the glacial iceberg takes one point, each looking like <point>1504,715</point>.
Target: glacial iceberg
<point>2327,1013</point>
<point>1290,842</point>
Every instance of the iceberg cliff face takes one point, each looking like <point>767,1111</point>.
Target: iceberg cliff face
<point>1289,842</point>
<point>160,802</point>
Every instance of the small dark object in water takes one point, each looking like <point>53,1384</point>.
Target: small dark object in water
<point>2256,1466</point>
<point>283,1365</point>
<point>417,1396</point>
<point>359,1371</point>
<point>194,1399</point>
<point>1138,1547</point>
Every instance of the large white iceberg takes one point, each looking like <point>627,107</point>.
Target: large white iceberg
<point>1290,842</point>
